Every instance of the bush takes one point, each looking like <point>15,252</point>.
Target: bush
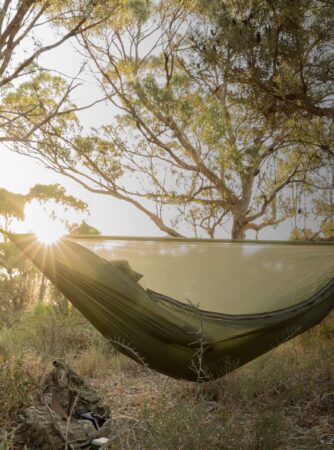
<point>281,400</point>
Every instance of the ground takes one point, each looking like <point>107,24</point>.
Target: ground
<point>283,400</point>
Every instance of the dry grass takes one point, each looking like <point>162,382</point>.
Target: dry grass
<point>283,400</point>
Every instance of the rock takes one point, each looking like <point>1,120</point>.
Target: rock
<point>98,443</point>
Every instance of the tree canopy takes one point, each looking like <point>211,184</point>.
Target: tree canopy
<point>32,95</point>
<point>223,112</point>
<point>18,278</point>
<point>283,51</point>
<point>84,229</point>
<point>11,205</point>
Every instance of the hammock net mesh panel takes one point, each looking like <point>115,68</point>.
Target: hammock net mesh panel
<point>191,309</point>
<point>231,278</point>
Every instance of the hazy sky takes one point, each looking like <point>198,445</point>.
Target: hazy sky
<point>19,173</point>
<point>111,216</point>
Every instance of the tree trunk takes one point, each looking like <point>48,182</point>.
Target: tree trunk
<point>240,209</point>
<point>42,289</point>
<point>238,231</point>
<point>238,227</point>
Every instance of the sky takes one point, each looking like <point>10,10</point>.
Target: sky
<point>111,216</point>
<point>18,173</point>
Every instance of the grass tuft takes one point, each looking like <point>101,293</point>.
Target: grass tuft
<point>283,400</point>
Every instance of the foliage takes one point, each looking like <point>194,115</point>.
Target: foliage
<point>11,205</point>
<point>57,193</point>
<point>194,143</point>
<point>283,52</point>
<point>20,283</point>
<point>223,106</point>
<point>84,229</point>
<point>282,400</point>
<point>282,64</point>
<point>17,282</point>
<point>323,209</point>
<point>39,334</point>
<point>271,403</point>
<point>31,96</point>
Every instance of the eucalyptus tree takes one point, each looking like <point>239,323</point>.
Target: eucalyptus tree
<point>28,30</point>
<point>17,276</point>
<point>84,229</point>
<point>187,142</point>
<point>284,64</point>
<point>284,51</point>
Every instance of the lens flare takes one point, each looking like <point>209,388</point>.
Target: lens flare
<point>45,222</point>
<point>50,234</point>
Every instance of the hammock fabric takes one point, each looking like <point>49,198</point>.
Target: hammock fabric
<point>263,294</point>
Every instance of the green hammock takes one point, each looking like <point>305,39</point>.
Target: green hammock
<point>191,309</point>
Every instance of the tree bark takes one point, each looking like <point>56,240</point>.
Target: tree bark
<point>42,289</point>
<point>238,227</point>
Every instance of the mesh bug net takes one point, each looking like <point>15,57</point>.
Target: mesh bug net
<point>192,309</point>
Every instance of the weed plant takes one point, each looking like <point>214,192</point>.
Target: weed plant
<point>283,400</point>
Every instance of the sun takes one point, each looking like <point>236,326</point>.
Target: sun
<point>46,225</point>
<point>50,234</point>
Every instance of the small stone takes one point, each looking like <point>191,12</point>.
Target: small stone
<point>98,443</point>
